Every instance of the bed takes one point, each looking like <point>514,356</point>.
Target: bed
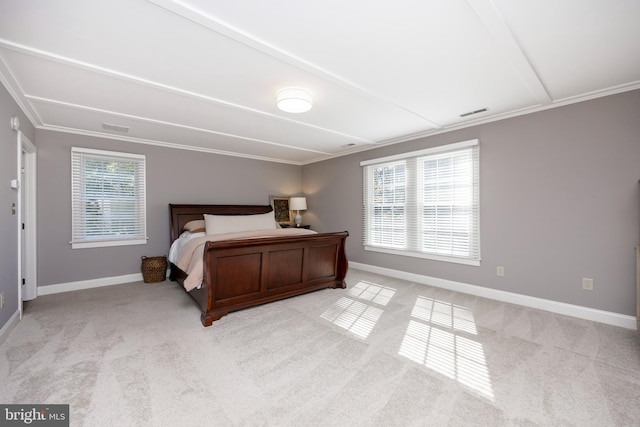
<point>242,269</point>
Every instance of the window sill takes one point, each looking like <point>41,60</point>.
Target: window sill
<point>107,243</point>
<point>434,257</point>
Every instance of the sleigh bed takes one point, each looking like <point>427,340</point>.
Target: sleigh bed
<point>234,270</point>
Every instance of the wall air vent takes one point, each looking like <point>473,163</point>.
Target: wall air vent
<point>116,128</point>
<point>471,113</point>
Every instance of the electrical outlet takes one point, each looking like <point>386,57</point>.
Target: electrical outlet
<point>587,284</point>
<point>1,299</point>
<point>500,271</point>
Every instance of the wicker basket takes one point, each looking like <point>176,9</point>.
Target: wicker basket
<point>154,269</point>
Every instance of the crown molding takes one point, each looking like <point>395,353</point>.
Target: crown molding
<point>163,144</point>
<point>9,81</point>
<point>163,122</point>
<point>521,112</point>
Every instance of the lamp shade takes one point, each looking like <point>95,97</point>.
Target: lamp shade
<point>298,203</point>
<point>294,100</point>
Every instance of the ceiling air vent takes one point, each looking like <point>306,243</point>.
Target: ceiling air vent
<point>116,128</point>
<point>471,113</point>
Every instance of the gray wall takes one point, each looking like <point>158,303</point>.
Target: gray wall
<point>560,201</point>
<point>548,182</point>
<point>8,222</point>
<point>173,176</point>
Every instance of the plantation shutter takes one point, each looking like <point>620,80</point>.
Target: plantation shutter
<point>108,198</point>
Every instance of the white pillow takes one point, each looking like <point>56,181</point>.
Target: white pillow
<point>218,224</point>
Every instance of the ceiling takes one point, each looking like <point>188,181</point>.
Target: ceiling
<point>203,75</point>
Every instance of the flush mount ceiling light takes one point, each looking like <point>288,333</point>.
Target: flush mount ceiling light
<point>294,100</point>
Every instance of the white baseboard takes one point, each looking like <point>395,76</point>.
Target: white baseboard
<point>88,284</point>
<point>8,327</point>
<point>601,316</point>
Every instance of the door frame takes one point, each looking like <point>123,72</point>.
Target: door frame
<point>27,242</point>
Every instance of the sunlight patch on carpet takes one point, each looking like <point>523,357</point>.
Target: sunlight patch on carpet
<point>372,292</point>
<point>355,313</point>
<point>440,337</point>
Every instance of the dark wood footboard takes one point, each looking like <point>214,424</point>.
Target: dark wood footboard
<point>244,273</point>
<point>248,273</point>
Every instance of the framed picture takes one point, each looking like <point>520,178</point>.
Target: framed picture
<point>281,208</point>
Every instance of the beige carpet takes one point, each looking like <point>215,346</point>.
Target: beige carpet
<point>382,352</point>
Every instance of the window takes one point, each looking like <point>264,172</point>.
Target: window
<point>425,203</point>
<point>107,198</point>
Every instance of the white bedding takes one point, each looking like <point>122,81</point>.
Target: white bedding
<point>187,252</point>
<point>179,243</point>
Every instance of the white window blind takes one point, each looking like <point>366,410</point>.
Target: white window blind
<point>425,203</point>
<point>108,198</point>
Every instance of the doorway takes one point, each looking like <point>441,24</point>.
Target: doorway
<point>27,243</point>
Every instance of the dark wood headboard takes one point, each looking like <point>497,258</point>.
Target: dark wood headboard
<point>182,214</point>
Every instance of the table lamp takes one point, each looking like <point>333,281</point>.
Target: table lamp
<point>298,204</point>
